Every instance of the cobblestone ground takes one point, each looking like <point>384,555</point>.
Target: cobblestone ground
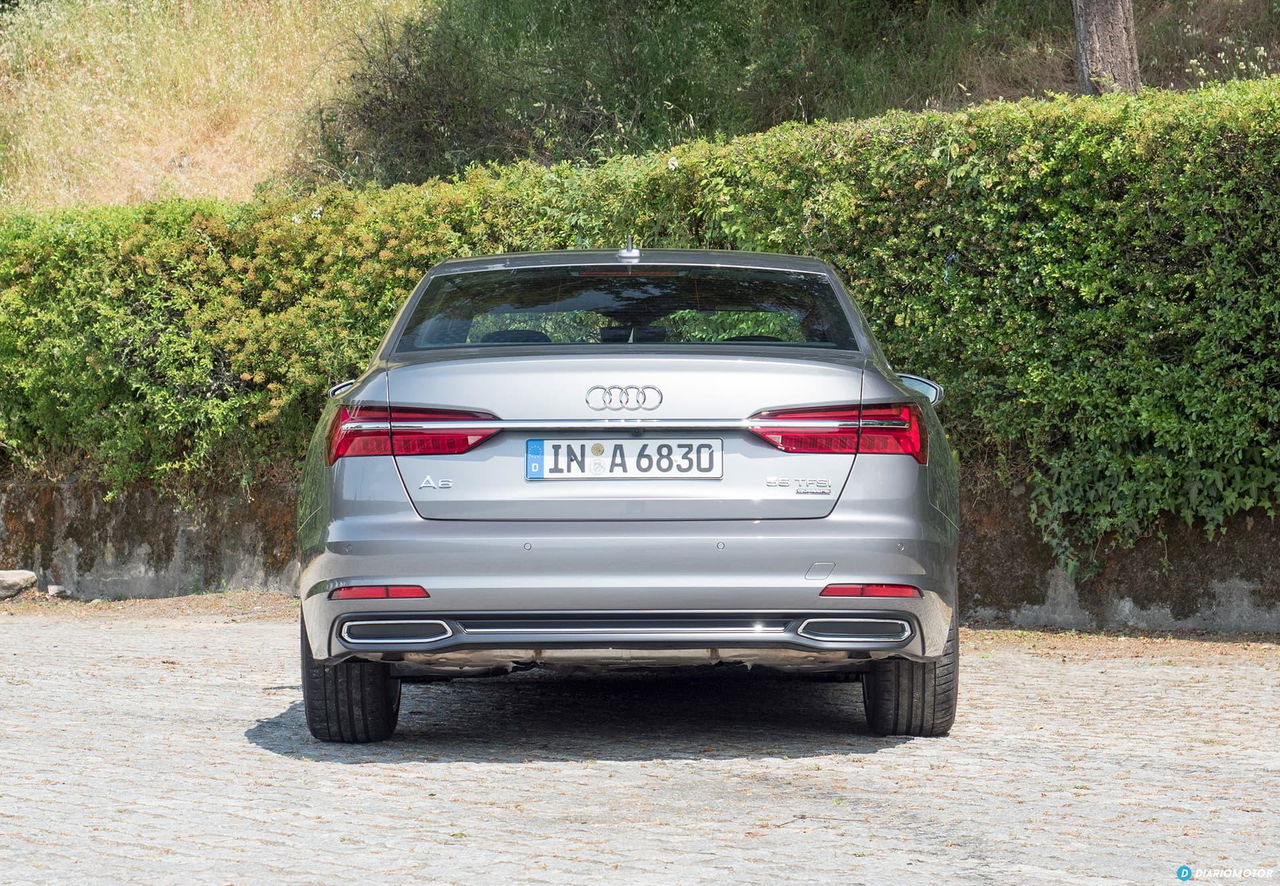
<point>166,751</point>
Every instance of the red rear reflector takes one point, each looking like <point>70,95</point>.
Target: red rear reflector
<point>898,428</point>
<point>870,591</point>
<point>401,591</point>
<point>377,592</point>
<point>377,430</point>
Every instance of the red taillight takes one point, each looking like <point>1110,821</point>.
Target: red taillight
<point>898,428</point>
<point>377,430</point>
<point>814,438</point>
<point>362,430</point>
<point>870,591</point>
<point>894,429</point>
<point>378,592</point>
<point>408,437</point>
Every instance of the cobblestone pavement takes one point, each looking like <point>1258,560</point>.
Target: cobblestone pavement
<point>168,751</point>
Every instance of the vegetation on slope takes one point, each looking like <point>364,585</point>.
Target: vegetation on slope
<point>119,101</point>
<point>483,80</point>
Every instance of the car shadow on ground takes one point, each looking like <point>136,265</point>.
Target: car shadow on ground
<point>540,717</point>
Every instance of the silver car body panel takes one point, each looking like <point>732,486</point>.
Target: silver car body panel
<point>560,569</point>
<point>704,396</point>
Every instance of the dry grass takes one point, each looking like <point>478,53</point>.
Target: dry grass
<point>241,605</point>
<point>118,101</point>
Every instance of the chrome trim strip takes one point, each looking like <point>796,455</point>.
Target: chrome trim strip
<point>905,632</point>
<point>710,631</point>
<point>345,638</point>
<point>618,424</point>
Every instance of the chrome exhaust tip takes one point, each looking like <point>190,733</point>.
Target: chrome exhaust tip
<point>393,631</point>
<point>881,630</point>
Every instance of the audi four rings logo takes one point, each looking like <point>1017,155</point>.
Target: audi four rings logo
<point>619,397</point>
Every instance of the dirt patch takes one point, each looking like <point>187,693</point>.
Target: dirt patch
<point>229,606</point>
<point>1262,649</point>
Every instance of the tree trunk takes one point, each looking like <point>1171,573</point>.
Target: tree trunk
<point>1106,48</point>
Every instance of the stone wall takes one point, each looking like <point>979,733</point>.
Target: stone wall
<point>143,544</point>
<point>1176,577</point>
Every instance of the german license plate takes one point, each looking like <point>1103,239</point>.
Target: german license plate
<point>640,459</point>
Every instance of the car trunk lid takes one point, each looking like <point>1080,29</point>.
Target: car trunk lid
<point>549,405</point>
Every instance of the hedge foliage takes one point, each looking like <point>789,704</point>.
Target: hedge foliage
<point>1096,282</point>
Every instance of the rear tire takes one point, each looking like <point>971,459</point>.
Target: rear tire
<point>353,701</point>
<point>913,697</point>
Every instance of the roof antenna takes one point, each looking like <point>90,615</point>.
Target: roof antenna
<point>630,254</point>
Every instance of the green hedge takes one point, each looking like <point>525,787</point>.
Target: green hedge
<point>1096,282</point>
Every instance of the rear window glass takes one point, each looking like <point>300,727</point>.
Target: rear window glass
<point>628,305</point>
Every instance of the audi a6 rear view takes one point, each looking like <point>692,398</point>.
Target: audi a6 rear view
<point>626,460</point>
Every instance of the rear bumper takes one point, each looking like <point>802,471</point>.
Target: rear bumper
<point>444,644</point>
<point>406,631</point>
<point>437,632</point>
<point>745,569</point>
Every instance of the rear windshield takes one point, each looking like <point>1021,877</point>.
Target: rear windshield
<point>630,305</point>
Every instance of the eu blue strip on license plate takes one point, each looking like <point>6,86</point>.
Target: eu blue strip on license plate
<point>534,464</point>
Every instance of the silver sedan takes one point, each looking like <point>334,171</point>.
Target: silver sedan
<point>636,459</point>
